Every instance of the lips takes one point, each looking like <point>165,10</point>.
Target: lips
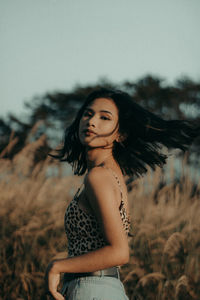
<point>89,131</point>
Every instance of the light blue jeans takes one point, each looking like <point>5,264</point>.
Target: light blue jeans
<point>94,288</point>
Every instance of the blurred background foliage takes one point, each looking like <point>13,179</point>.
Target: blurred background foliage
<point>36,189</point>
<point>49,114</point>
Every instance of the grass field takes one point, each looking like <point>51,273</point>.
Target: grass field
<point>165,250</point>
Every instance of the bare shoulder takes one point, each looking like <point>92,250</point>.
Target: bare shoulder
<point>100,191</point>
<point>99,185</point>
<point>98,176</point>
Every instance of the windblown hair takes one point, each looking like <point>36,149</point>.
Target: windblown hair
<point>145,132</point>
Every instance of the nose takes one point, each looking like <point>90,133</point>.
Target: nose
<point>91,121</point>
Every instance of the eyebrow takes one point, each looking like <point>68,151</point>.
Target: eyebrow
<point>106,111</point>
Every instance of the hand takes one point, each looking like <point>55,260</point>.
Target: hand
<point>52,279</point>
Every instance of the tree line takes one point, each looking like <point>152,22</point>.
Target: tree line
<point>52,112</point>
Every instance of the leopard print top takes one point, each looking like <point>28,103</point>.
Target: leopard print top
<point>83,230</point>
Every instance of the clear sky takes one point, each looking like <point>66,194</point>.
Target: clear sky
<point>52,45</point>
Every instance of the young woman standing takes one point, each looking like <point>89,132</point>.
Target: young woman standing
<point>112,136</point>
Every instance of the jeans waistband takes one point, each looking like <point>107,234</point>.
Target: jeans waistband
<point>111,272</point>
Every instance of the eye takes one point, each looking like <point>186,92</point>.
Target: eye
<point>87,113</point>
<point>105,118</point>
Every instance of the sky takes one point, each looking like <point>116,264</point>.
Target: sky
<point>54,45</point>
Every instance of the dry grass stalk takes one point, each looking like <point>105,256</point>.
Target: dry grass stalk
<point>149,287</point>
<point>32,205</point>
<point>174,255</point>
<point>183,290</point>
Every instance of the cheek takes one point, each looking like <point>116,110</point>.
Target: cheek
<point>108,127</point>
<point>113,130</point>
<point>81,124</point>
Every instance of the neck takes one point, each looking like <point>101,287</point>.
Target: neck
<point>98,156</point>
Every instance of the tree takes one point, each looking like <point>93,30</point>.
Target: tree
<point>57,110</point>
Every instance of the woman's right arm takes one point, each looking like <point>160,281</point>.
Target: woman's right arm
<point>102,198</point>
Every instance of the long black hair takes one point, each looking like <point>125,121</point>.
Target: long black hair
<point>145,132</point>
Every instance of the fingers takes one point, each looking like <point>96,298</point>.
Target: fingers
<point>52,280</point>
<point>46,279</point>
<point>49,297</point>
<point>57,296</point>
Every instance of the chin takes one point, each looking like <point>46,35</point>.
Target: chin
<point>86,143</point>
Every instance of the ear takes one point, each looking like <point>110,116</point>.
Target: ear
<point>120,138</point>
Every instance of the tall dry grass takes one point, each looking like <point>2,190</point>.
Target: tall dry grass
<point>165,250</point>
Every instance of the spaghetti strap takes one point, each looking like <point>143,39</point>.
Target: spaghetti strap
<point>122,208</point>
<point>78,191</point>
<point>119,184</point>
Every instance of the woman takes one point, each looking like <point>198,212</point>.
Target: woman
<point>111,136</point>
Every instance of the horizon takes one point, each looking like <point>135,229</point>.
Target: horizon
<point>55,45</point>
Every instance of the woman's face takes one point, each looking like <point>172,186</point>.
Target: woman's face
<point>98,126</point>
